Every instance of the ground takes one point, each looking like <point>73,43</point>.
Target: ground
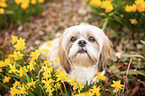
<point>58,15</point>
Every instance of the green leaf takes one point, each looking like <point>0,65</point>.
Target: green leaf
<point>131,72</point>
<point>132,56</point>
<point>4,85</point>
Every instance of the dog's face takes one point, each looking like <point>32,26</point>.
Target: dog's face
<point>84,45</point>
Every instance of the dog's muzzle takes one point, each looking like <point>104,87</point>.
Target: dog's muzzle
<point>82,44</point>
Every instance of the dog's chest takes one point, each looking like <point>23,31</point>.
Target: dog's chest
<point>84,74</point>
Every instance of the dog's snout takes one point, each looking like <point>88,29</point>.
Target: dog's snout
<point>82,43</point>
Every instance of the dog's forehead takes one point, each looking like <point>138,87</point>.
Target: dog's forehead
<point>83,30</point>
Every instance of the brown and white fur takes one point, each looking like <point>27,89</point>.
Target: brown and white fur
<point>83,51</point>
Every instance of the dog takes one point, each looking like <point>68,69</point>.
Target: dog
<point>83,50</point>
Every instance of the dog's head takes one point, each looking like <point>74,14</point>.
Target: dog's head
<point>84,45</point>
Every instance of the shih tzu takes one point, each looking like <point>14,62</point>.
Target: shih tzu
<point>83,50</point>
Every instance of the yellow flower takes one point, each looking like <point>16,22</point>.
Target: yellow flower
<point>2,11</point>
<point>72,80</point>
<point>50,90</point>
<point>46,62</point>
<point>1,70</point>
<point>117,85</point>
<point>14,39</point>
<point>41,1</point>
<point>100,76</point>
<point>79,85</point>
<point>6,79</point>
<point>2,64</point>
<point>130,8</point>
<point>133,21</point>
<point>109,8</point>
<point>56,60</point>
<point>95,2</point>
<point>21,72</point>
<point>31,66</point>
<point>23,90</point>
<point>17,83</point>
<point>61,75</point>
<point>17,55</point>
<point>32,83</point>
<point>95,91</point>
<point>24,5</point>
<point>47,82</point>
<point>45,52</point>
<point>46,75</point>
<point>13,68</point>
<point>3,4</point>
<point>140,5</point>
<point>18,2</point>
<point>13,91</point>
<point>48,69</point>
<point>20,45</point>
<point>35,54</point>
<point>33,2</point>
<point>48,44</point>
<point>7,62</point>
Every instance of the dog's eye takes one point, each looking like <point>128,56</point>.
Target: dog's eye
<point>91,39</point>
<point>73,39</point>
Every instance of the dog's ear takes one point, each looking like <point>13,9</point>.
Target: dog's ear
<point>106,53</point>
<point>63,57</point>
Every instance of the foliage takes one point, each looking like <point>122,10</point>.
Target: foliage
<point>18,11</point>
<point>33,74</point>
<point>128,13</point>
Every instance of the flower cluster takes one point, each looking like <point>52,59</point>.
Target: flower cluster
<point>139,6</point>
<point>25,3</point>
<point>39,74</point>
<point>3,5</point>
<point>103,4</point>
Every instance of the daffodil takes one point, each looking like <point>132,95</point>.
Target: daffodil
<point>50,89</point>
<point>56,61</point>
<point>17,83</point>
<point>35,54</point>
<point>48,69</point>
<point>95,91</point>
<point>61,75</point>
<point>95,2</point>
<point>2,11</point>
<point>71,80</point>
<point>6,79</point>
<point>23,90</point>
<point>117,85</point>
<point>100,76</point>
<point>33,2</point>
<point>14,39</point>
<point>48,44</point>
<point>45,52</point>
<point>12,68</point>
<point>24,5</point>
<point>41,1</point>
<point>133,21</point>
<point>17,55</point>
<point>14,91</point>
<point>32,83</point>
<point>46,75</point>
<point>21,72</point>
<point>20,45</point>
<point>3,4</point>
<point>1,70</point>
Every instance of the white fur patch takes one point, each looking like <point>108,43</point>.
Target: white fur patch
<point>84,74</point>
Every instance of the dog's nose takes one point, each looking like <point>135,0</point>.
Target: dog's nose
<point>82,43</point>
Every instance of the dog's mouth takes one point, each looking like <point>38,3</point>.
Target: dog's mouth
<point>82,51</point>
